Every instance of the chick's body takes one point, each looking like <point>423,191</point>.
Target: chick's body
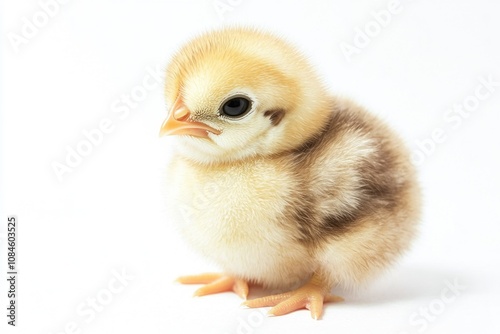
<point>301,186</point>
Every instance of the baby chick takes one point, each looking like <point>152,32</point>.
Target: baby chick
<point>277,181</point>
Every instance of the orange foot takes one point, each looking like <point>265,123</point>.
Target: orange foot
<point>215,283</point>
<point>311,296</point>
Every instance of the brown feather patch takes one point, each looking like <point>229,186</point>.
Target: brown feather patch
<point>275,115</point>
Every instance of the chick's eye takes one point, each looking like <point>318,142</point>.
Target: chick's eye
<point>236,106</point>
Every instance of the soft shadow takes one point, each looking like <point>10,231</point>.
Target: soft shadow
<point>405,284</point>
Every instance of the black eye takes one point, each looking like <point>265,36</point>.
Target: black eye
<point>235,106</point>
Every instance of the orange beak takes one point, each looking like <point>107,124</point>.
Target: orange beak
<point>177,123</point>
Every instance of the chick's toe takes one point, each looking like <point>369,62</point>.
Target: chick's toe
<point>216,283</point>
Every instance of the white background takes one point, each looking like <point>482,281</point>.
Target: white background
<point>107,216</point>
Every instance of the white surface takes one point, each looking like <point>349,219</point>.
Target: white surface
<point>107,214</point>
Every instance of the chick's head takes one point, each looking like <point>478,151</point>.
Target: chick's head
<point>239,93</point>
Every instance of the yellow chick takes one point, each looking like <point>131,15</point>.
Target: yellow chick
<point>277,181</point>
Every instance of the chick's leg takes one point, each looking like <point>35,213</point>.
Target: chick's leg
<point>215,283</point>
<point>312,295</point>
